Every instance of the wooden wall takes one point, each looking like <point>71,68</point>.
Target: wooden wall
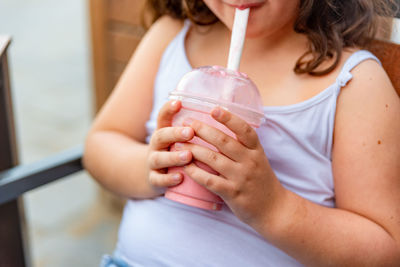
<point>116,30</point>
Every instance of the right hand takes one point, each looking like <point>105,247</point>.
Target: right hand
<point>159,157</point>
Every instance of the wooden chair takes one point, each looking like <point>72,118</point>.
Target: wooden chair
<point>389,54</point>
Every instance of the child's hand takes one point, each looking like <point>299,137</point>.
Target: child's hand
<point>246,182</point>
<point>159,158</point>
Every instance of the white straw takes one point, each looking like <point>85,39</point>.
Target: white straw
<point>237,38</point>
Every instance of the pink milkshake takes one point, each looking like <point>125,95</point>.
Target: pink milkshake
<point>200,91</point>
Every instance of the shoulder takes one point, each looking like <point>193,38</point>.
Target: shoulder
<point>148,54</point>
<point>160,34</point>
<point>165,27</point>
<point>366,96</point>
<point>369,87</point>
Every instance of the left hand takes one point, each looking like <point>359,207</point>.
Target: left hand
<point>246,182</point>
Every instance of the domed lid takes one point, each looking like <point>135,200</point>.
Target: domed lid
<point>232,90</point>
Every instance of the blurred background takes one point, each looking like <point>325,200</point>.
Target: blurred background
<point>64,59</point>
<point>57,86</point>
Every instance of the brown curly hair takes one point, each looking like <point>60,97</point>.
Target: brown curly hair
<point>330,25</point>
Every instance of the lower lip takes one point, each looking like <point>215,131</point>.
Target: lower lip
<point>254,5</point>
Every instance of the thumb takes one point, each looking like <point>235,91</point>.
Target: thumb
<point>167,112</point>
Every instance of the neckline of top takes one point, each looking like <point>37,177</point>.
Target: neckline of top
<point>305,104</point>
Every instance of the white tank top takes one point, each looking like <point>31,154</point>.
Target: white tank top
<point>297,140</point>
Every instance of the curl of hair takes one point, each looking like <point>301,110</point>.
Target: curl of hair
<point>330,25</point>
<point>195,10</point>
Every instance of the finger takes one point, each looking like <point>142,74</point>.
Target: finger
<point>164,137</point>
<point>245,134</point>
<point>224,143</point>
<point>214,183</point>
<point>215,160</point>
<point>167,112</point>
<point>164,159</point>
<point>162,180</point>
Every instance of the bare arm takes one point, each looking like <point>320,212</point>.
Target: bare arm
<point>115,152</point>
<point>364,229</point>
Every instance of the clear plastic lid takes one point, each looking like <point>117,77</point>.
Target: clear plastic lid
<point>218,86</point>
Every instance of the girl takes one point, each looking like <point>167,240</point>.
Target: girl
<point>317,184</point>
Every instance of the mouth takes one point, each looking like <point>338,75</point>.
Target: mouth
<point>244,4</point>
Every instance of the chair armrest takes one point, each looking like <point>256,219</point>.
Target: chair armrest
<point>22,178</point>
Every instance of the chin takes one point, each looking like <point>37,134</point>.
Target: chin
<point>253,33</point>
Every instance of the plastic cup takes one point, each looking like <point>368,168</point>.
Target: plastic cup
<point>200,91</point>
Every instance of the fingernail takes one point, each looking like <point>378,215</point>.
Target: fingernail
<point>216,112</point>
<point>187,121</point>
<point>174,104</point>
<point>184,155</point>
<point>176,177</point>
<point>186,132</point>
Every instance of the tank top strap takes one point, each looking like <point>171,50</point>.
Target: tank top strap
<point>356,58</point>
<point>182,34</point>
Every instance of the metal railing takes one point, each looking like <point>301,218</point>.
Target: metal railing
<point>22,178</point>
<point>16,179</point>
